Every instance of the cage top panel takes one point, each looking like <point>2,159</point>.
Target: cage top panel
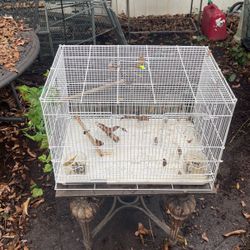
<point>122,74</point>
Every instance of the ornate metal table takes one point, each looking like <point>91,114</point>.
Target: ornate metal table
<point>28,54</point>
<point>84,208</point>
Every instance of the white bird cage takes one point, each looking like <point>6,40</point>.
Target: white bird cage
<point>136,117</point>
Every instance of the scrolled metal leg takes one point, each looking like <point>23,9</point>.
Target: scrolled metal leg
<point>84,210</point>
<point>179,208</point>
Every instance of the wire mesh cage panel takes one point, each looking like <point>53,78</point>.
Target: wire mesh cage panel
<point>136,115</point>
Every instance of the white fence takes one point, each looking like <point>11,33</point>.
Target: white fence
<point>161,7</point>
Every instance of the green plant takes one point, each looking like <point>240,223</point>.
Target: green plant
<point>240,55</point>
<point>47,163</point>
<point>36,191</point>
<point>232,77</point>
<point>35,130</point>
<point>199,38</point>
<point>46,73</point>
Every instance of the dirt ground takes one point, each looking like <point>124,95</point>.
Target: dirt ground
<point>50,226</point>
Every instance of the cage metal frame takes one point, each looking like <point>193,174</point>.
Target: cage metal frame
<point>182,82</point>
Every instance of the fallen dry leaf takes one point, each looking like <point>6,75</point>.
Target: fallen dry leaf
<point>246,215</point>
<point>204,237</point>
<point>38,202</point>
<point>243,204</point>
<point>33,155</point>
<point>25,206</point>
<point>236,232</point>
<point>10,40</point>
<point>236,86</point>
<point>237,247</point>
<point>98,142</point>
<point>109,131</point>
<point>18,209</point>
<point>216,187</point>
<point>70,161</point>
<point>165,246</point>
<point>142,231</point>
<point>11,247</point>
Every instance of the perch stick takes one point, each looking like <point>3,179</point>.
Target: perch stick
<point>108,131</point>
<point>90,137</point>
<point>93,90</point>
<point>137,117</point>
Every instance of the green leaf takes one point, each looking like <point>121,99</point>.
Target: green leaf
<point>38,137</point>
<point>47,168</point>
<point>235,49</point>
<point>232,77</point>
<point>36,124</point>
<point>33,186</point>
<point>36,192</point>
<point>46,73</point>
<point>241,54</point>
<point>44,143</point>
<point>49,158</point>
<point>43,158</point>
<point>30,94</point>
<point>200,38</point>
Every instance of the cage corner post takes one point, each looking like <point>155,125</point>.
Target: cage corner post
<point>93,22</point>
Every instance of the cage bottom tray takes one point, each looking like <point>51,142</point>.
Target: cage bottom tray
<point>155,151</point>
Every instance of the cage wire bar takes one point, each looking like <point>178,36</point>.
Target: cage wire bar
<point>136,117</point>
<point>246,25</point>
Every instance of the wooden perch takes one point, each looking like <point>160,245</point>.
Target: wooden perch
<point>104,86</point>
<point>90,137</point>
<point>109,131</point>
<point>137,117</point>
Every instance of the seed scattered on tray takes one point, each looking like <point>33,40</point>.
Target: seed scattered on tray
<point>156,140</point>
<point>164,162</point>
<point>179,151</point>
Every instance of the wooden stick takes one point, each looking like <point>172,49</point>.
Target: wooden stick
<point>235,134</point>
<point>137,117</point>
<point>108,131</point>
<point>90,137</point>
<point>93,90</point>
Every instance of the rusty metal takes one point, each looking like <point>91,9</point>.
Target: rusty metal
<point>179,208</point>
<point>84,209</point>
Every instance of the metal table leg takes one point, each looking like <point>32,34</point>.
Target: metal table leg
<point>84,210</point>
<point>128,15</point>
<point>19,106</point>
<point>93,22</point>
<point>199,17</point>
<point>191,7</point>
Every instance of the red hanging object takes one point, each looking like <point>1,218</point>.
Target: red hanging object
<point>213,24</point>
